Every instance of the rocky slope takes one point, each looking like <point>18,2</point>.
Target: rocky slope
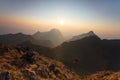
<point>17,64</point>
<point>90,54</point>
<point>103,75</point>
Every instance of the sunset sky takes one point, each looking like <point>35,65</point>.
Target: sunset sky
<point>72,17</point>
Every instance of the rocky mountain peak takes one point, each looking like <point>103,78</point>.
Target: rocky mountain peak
<point>54,35</point>
<point>84,35</point>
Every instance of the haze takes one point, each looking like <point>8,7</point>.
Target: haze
<point>72,17</point>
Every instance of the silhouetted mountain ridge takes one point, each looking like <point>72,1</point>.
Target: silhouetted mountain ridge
<point>84,35</point>
<point>51,38</point>
<point>90,54</point>
<point>54,35</point>
<point>14,39</point>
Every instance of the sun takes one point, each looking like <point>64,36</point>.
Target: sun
<point>61,22</point>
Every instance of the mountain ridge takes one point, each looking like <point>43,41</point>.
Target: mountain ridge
<point>90,54</point>
<point>50,38</point>
<point>82,36</point>
<point>54,35</point>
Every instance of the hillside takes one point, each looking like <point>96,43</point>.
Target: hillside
<point>14,39</point>
<point>85,55</point>
<point>103,75</point>
<point>90,54</point>
<point>17,64</point>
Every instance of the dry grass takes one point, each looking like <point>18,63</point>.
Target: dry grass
<point>103,75</point>
<point>11,61</point>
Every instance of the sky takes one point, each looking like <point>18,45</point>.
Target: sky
<point>72,17</point>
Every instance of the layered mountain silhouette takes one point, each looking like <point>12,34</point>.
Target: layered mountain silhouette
<point>51,38</point>
<point>87,53</point>
<point>14,39</point>
<point>53,35</point>
<point>85,35</point>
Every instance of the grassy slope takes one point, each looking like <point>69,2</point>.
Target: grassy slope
<point>10,61</point>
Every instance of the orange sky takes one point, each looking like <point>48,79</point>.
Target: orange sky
<point>72,17</point>
<point>30,26</point>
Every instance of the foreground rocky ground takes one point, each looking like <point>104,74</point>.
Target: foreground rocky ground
<point>16,64</point>
<point>24,64</point>
<point>103,75</point>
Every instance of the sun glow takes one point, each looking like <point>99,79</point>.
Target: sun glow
<point>61,22</point>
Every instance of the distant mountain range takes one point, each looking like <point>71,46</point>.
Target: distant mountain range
<point>84,53</point>
<point>81,36</point>
<point>51,38</point>
<point>14,39</point>
<point>54,35</point>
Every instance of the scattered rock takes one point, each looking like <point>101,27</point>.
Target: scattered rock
<point>52,67</point>
<point>35,67</point>
<point>5,76</point>
<point>29,57</point>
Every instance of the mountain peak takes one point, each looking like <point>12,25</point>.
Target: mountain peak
<point>54,30</point>
<point>54,35</point>
<point>38,32</point>
<point>19,33</point>
<point>91,32</point>
<point>84,35</point>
